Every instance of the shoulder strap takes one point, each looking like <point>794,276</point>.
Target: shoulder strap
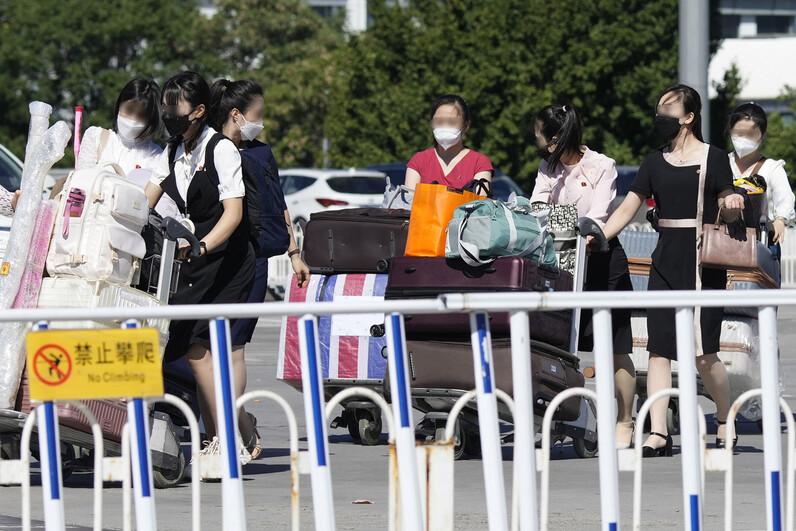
<point>758,166</point>
<point>105,135</point>
<point>169,184</point>
<point>210,157</point>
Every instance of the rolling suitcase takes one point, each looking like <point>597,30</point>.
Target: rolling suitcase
<point>354,240</point>
<point>418,277</point>
<point>449,365</point>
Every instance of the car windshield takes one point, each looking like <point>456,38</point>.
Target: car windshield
<point>10,173</point>
<point>357,185</point>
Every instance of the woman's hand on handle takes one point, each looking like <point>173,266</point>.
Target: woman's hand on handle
<point>622,215</point>
<point>731,205</point>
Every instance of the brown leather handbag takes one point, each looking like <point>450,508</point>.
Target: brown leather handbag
<point>730,246</point>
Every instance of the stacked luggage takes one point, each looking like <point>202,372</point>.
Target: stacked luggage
<point>739,345</point>
<point>94,261</point>
<point>361,253</point>
<point>347,252</point>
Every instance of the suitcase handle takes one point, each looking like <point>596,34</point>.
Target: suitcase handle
<point>550,270</point>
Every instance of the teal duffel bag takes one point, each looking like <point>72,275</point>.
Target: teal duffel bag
<point>485,229</point>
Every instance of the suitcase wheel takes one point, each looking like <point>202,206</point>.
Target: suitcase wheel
<point>165,478</point>
<point>383,266</point>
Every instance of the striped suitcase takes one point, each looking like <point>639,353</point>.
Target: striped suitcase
<point>349,354</point>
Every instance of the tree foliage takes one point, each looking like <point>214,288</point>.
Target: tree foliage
<point>508,58</point>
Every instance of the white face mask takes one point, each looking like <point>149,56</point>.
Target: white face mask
<point>447,136</point>
<point>129,129</point>
<point>744,146</point>
<point>249,130</point>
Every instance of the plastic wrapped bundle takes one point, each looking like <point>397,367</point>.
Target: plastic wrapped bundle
<point>47,152</point>
<point>28,292</point>
<point>45,147</point>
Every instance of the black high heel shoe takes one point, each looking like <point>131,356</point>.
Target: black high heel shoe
<point>665,450</point>
<point>721,443</point>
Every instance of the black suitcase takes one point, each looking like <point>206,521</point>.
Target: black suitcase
<point>448,365</point>
<point>354,240</point>
<point>420,277</point>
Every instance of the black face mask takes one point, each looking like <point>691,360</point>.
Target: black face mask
<point>667,126</point>
<point>176,125</point>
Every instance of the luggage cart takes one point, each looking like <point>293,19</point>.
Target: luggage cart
<point>77,444</point>
<point>435,402</point>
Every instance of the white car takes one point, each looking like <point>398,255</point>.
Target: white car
<point>10,179</point>
<point>309,190</point>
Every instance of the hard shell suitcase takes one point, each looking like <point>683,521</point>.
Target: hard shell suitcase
<point>449,365</point>
<point>354,240</point>
<point>72,292</point>
<point>413,277</point>
<point>739,352</point>
<point>111,414</point>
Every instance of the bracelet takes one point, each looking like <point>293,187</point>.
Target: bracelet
<point>294,252</point>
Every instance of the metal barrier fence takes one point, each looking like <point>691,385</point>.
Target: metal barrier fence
<point>695,459</point>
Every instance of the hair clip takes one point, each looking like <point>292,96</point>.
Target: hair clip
<point>564,108</point>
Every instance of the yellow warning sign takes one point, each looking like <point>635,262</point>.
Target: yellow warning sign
<point>86,364</point>
<point>5,267</point>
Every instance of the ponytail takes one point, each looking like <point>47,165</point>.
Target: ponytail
<point>226,95</point>
<point>561,126</point>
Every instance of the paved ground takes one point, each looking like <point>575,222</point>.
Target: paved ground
<point>360,473</point>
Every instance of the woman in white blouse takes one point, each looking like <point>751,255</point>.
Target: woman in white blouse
<point>747,128</point>
<point>201,171</point>
<point>136,122</point>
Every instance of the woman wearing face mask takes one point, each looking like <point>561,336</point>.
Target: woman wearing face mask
<point>236,110</point>
<point>572,173</point>
<point>449,162</point>
<point>201,171</point>
<point>747,128</point>
<point>136,122</point>
<point>672,175</point>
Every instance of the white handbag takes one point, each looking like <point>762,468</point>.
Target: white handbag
<point>98,226</point>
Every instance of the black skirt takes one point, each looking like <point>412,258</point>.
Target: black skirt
<point>608,272</point>
<point>217,278</point>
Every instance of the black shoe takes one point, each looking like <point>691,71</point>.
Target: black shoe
<point>665,450</point>
<point>721,443</point>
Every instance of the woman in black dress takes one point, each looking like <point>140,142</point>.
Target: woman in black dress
<point>672,175</point>
<point>201,171</point>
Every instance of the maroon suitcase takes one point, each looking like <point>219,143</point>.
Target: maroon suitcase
<point>354,240</point>
<point>414,277</point>
<point>111,414</point>
<point>449,365</point>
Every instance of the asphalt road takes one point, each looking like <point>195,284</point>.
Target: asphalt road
<point>360,473</point>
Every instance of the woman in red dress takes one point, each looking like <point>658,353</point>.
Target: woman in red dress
<point>449,162</point>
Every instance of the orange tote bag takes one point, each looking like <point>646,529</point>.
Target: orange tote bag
<point>432,210</point>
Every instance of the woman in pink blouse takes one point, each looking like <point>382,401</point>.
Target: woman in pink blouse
<point>449,162</point>
<point>572,173</point>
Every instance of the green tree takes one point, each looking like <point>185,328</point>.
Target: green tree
<point>287,48</point>
<point>72,52</point>
<point>780,141</point>
<point>508,58</point>
<point>722,105</point>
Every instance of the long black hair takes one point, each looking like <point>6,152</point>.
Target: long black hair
<point>561,126</point>
<point>145,92</point>
<point>226,95</point>
<point>193,88</point>
<point>748,111</point>
<point>691,101</point>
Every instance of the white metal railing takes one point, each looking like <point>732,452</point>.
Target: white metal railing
<point>519,304</point>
